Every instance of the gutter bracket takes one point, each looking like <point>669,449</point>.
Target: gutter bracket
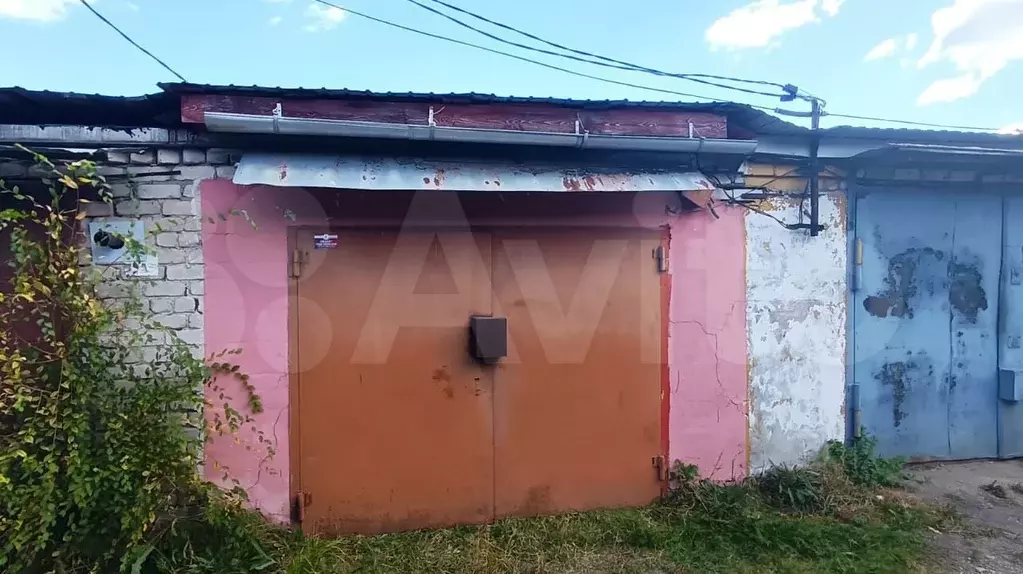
<point>581,133</point>
<point>277,115</point>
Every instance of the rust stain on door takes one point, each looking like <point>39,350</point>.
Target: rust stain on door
<point>394,435</point>
<point>577,417</point>
<point>401,430</point>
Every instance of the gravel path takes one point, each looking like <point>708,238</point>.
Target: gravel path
<point>989,497</point>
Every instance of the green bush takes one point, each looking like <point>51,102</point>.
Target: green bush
<point>863,466</point>
<point>792,489</point>
<point>99,450</point>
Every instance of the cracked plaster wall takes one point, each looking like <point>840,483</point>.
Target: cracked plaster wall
<point>247,308</point>
<point>707,343</point>
<point>741,285</point>
<point>796,330</point>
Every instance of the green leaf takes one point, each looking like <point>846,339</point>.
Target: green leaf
<point>136,566</point>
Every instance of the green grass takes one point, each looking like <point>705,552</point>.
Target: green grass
<point>817,519</point>
<point>655,539</point>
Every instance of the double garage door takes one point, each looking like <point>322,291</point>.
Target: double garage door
<point>938,322</point>
<point>396,427</point>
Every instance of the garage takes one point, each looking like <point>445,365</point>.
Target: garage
<point>936,321</point>
<point>453,341</point>
<point>400,427</point>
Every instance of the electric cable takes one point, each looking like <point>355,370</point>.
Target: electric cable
<point>912,123</point>
<point>639,86</point>
<point>605,58</point>
<point>589,59</point>
<point>132,42</point>
<point>530,60</point>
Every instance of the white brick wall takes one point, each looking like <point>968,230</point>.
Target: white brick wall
<point>171,210</point>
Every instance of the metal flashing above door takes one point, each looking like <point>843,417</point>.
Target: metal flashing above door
<point>395,173</point>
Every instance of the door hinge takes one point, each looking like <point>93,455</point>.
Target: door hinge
<point>857,270</point>
<point>661,257</point>
<point>660,465</point>
<point>298,259</point>
<point>299,504</point>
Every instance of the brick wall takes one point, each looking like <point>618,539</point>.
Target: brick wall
<point>160,188</point>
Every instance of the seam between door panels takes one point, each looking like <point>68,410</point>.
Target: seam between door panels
<point>493,387</point>
<point>999,323</point>
<point>951,343</point>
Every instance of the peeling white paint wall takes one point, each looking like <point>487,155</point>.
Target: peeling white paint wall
<point>796,329</point>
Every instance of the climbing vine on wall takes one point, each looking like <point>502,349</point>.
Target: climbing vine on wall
<point>102,410</point>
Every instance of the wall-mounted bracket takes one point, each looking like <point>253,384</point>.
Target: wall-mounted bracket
<point>108,240</point>
<point>488,338</point>
<point>1010,385</point>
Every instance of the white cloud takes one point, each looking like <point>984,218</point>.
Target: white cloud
<point>883,50</point>
<point>41,10</point>
<point>275,20</point>
<point>323,17</point>
<point>761,22</point>
<point>892,46</point>
<point>1015,129</point>
<point>979,38</point>
<point>950,89</point>
<point>831,6</point>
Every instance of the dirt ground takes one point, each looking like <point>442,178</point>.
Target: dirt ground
<point>988,496</point>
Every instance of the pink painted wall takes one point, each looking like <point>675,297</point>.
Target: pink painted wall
<point>707,344</point>
<point>246,307</point>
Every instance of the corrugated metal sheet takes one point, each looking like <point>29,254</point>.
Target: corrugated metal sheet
<point>439,98</point>
<point>922,135</point>
<point>33,107</point>
<point>388,173</point>
<point>21,106</point>
<point>752,119</point>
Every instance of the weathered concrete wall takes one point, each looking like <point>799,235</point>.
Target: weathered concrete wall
<point>795,325</point>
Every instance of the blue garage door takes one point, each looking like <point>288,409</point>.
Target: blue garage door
<point>926,322</point>
<point>1010,340</point>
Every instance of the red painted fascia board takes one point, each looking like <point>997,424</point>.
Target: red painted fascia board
<point>523,117</point>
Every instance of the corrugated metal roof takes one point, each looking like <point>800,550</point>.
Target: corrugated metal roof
<point>40,107</point>
<point>21,106</point>
<point>740,115</point>
<point>922,136</point>
<point>470,97</point>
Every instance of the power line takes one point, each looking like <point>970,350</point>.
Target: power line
<point>529,60</point>
<point>627,65</point>
<point>132,42</point>
<point>592,59</point>
<point>624,65</point>
<point>912,123</point>
<point>621,83</point>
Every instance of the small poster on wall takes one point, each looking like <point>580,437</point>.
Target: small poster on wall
<point>325,241</point>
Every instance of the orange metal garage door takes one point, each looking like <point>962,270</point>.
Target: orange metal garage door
<point>394,427</point>
<point>577,416</point>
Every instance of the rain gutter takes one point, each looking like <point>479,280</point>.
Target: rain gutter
<point>262,124</point>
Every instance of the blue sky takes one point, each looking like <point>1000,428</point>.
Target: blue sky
<point>942,61</point>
